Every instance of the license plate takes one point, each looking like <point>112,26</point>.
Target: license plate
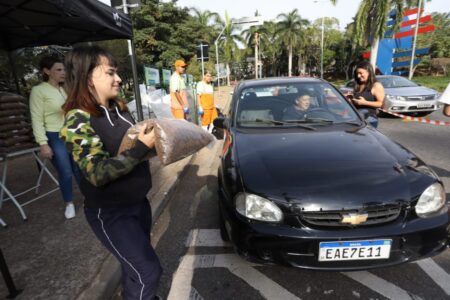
<point>354,250</point>
<point>424,105</point>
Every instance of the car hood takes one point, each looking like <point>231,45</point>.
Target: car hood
<point>409,91</point>
<point>327,170</point>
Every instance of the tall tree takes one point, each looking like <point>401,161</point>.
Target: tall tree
<point>290,31</point>
<point>204,17</point>
<point>371,19</point>
<point>229,42</point>
<point>253,36</point>
<point>270,46</point>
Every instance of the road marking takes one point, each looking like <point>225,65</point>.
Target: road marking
<point>436,273</point>
<point>181,284</point>
<point>195,295</point>
<point>205,238</point>
<point>379,285</point>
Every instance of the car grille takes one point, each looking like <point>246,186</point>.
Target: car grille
<point>376,215</point>
<point>420,98</point>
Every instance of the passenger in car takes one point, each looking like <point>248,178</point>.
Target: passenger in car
<point>300,108</point>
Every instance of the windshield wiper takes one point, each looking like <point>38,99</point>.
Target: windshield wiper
<point>311,120</point>
<point>349,123</point>
<point>268,121</point>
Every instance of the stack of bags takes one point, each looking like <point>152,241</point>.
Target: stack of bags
<point>15,129</point>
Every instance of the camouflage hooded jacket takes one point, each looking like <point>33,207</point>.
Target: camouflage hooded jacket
<point>96,164</point>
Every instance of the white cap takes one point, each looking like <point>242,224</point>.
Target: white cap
<point>445,97</point>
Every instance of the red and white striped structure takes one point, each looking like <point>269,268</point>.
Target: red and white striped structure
<point>417,119</point>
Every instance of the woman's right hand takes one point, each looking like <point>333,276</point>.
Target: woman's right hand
<point>147,138</point>
<point>348,95</point>
<point>46,152</point>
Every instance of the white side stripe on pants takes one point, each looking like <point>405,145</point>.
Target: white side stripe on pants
<point>120,255</point>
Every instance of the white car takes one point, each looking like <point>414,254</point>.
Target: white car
<point>404,96</point>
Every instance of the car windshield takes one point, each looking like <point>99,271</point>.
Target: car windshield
<point>395,82</point>
<point>304,105</point>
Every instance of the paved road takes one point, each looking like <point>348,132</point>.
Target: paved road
<point>198,265</point>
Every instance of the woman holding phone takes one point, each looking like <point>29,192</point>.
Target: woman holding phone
<point>368,93</point>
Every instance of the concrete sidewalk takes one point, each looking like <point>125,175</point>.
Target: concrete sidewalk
<point>53,258</point>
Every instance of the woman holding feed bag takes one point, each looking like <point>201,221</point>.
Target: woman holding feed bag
<point>114,185</point>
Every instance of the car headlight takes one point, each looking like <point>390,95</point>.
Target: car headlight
<point>257,208</point>
<point>392,97</point>
<point>437,96</point>
<point>431,200</point>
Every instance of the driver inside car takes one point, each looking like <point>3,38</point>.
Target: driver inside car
<point>299,109</point>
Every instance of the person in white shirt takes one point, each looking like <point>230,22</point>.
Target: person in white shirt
<point>205,99</point>
<point>178,98</point>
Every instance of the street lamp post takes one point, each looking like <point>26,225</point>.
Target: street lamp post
<point>321,51</point>
<point>216,43</point>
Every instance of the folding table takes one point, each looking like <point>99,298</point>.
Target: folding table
<point>3,181</point>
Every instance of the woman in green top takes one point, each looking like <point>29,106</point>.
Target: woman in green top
<point>47,117</point>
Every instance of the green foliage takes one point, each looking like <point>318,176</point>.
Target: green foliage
<point>372,16</point>
<point>438,40</point>
<point>164,32</point>
<point>438,83</point>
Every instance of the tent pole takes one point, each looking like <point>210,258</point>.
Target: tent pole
<point>13,68</point>
<point>137,91</point>
<point>132,54</point>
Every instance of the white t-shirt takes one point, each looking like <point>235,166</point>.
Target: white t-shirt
<point>204,88</point>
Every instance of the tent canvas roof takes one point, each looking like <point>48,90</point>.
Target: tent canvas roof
<point>28,23</point>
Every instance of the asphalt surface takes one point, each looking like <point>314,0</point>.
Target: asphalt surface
<point>198,265</point>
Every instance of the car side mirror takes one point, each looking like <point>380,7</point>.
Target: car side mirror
<point>220,122</point>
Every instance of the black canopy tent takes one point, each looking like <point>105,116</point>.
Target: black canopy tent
<point>29,23</point>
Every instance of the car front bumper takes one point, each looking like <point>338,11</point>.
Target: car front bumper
<point>399,106</point>
<point>299,246</point>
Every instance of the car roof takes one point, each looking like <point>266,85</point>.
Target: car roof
<point>387,76</point>
<point>277,81</point>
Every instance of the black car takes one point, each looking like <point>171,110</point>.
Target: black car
<point>314,186</point>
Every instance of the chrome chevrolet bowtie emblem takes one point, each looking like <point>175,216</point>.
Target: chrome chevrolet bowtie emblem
<point>354,218</point>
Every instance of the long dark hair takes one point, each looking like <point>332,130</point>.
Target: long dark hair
<point>47,62</point>
<point>370,80</point>
<point>80,63</point>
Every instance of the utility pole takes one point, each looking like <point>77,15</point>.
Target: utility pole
<point>321,51</point>
<point>201,54</point>
<point>256,55</point>
<point>413,54</point>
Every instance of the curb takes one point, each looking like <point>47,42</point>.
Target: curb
<point>106,281</point>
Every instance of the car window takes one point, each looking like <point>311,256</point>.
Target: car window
<point>395,82</point>
<point>283,106</point>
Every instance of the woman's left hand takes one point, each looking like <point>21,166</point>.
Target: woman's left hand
<point>359,101</point>
<point>147,138</point>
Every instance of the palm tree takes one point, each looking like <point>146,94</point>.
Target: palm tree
<point>208,23</point>
<point>270,45</point>
<point>253,36</point>
<point>290,31</point>
<point>229,41</point>
<point>204,17</point>
<point>371,21</point>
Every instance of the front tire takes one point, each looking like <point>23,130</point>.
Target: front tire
<point>222,227</point>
